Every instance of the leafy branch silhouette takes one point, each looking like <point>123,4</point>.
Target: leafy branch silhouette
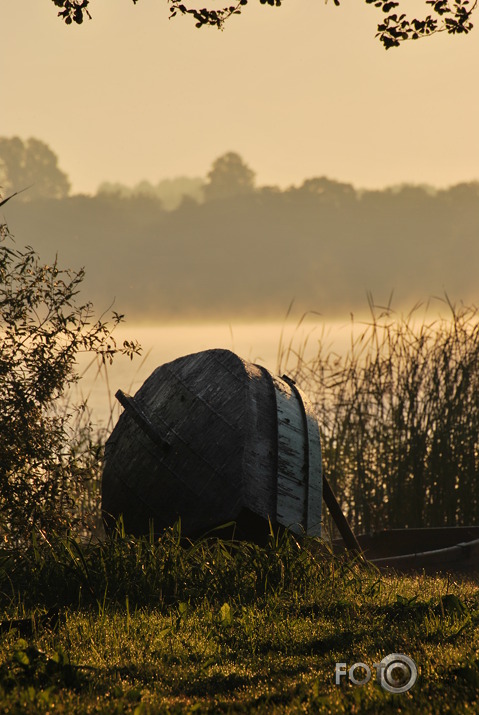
<point>453,17</point>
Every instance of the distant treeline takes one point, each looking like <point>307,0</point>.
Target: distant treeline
<point>252,254</point>
<point>238,250</point>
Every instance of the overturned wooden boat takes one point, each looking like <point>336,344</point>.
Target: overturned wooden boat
<point>210,438</point>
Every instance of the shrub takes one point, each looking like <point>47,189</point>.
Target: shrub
<point>44,463</point>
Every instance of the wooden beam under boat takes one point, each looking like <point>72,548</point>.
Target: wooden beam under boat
<point>432,550</point>
<point>462,558</point>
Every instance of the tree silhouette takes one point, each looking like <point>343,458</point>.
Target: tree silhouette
<point>31,164</point>
<point>229,176</point>
<point>452,16</point>
<point>324,191</point>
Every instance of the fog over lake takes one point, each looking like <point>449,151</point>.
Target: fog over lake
<point>257,342</point>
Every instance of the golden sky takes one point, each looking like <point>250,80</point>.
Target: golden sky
<point>299,91</point>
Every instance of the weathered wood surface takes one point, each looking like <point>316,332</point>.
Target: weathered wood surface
<point>232,439</point>
<point>200,407</point>
<point>298,503</point>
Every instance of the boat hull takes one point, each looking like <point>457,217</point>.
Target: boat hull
<point>217,438</point>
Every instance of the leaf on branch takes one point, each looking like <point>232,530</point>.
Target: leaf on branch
<point>389,6</point>
<point>73,10</point>
<point>455,17</point>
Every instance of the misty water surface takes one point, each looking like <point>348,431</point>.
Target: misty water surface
<point>261,343</point>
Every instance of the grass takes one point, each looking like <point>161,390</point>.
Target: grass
<point>169,626</point>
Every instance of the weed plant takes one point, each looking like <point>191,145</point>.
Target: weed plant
<point>399,418</point>
<point>64,570</point>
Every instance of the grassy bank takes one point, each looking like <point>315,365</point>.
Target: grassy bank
<point>137,626</point>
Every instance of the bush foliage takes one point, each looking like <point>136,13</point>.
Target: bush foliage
<point>43,463</point>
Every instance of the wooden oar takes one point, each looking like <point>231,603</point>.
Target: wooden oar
<point>340,520</point>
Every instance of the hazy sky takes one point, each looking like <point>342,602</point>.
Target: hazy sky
<point>299,91</point>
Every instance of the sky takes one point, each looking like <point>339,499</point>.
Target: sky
<point>299,91</point>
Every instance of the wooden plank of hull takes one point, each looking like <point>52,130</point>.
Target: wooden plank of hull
<point>292,467</point>
<point>260,457</point>
<point>315,468</point>
<point>299,473</point>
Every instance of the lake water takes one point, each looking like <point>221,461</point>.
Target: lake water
<point>273,344</point>
<point>257,342</point>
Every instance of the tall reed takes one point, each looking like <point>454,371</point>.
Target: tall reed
<point>399,416</point>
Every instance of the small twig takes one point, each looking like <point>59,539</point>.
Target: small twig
<point>15,194</point>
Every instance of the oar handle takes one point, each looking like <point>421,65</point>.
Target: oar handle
<point>142,420</point>
<point>339,519</point>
